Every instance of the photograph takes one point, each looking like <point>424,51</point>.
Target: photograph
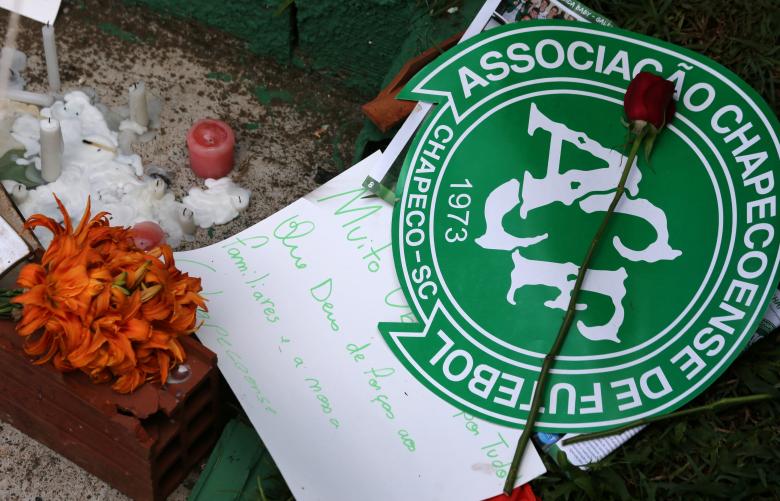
<point>524,10</point>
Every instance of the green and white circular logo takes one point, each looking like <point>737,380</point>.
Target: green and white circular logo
<point>500,196</point>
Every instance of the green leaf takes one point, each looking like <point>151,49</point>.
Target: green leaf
<point>218,75</point>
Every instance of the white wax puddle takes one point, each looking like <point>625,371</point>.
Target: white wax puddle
<point>219,203</point>
<point>115,182</point>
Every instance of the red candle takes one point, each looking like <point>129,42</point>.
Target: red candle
<point>211,148</point>
<point>147,235</point>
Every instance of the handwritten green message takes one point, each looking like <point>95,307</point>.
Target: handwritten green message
<point>349,214</point>
<point>235,250</point>
<point>224,339</point>
<point>374,379</point>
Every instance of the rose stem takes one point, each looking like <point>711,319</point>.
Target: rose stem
<point>549,359</point>
<point>712,407</point>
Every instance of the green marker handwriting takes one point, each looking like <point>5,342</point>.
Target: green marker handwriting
<point>289,230</point>
<point>321,293</point>
<point>395,299</point>
<point>494,452</point>
<point>238,260</point>
<point>470,423</point>
<point>355,351</point>
<point>322,399</point>
<point>251,242</point>
<point>384,402</point>
<point>192,261</point>
<point>269,307</point>
<point>376,375</point>
<point>354,212</point>
<point>223,338</point>
<point>234,250</point>
<point>407,440</point>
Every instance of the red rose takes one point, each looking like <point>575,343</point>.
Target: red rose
<point>522,493</point>
<point>649,98</point>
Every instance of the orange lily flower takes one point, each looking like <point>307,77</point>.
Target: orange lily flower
<point>99,304</point>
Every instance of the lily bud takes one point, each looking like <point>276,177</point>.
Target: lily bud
<point>148,293</point>
<point>138,275</point>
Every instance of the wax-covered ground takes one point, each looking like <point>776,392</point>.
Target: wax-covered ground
<point>280,114</point>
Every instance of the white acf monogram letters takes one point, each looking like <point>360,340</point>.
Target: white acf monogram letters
<point>590,188</point>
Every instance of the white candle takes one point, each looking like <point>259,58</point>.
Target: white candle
<point>51,149</point>
<point>23,96</point>
<point>125,140</point>
<point>139,112</point>
<point>19,193</point>
<point>158,188</point>
<point>18,62</point>
<point>52,64</point>
<point>187,221</point>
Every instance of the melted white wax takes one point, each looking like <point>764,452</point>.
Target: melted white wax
<point>116,183</point>
<point>219,203</point>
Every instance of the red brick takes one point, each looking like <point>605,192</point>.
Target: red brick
<point>142,444</point>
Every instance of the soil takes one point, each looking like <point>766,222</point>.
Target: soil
<point>294,129</point>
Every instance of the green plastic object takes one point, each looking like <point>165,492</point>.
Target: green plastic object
<point>27,175</point>
<point>240,469</point>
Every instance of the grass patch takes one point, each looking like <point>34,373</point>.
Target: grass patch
<point>739,34</point>
<point>116,31</point>
<point>731,455</point>
<point>218,75</point>
<point>267,96</point>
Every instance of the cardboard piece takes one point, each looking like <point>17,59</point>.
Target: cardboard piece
<point>43,11</point>
<point>294,303</point>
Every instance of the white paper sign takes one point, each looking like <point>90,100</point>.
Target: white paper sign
<point>294,303</point>
<point>44,11</point>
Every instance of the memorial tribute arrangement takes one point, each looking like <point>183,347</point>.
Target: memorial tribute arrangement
<point>528,94</point>
<point>573,234</point>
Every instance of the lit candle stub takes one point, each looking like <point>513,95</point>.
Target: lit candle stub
<point>51,149</point>
<point>147,235</point>
<point>187,221</point>
<point>52,63</point>
<point>139,110</point>
<point>210,143</point>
